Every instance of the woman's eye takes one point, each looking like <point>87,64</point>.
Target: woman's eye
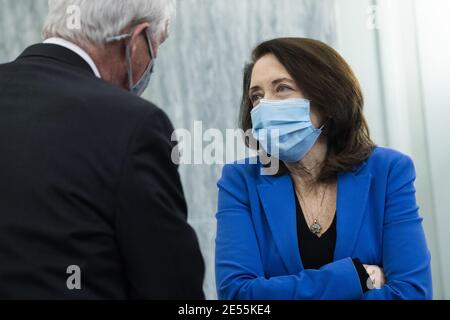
<point>255,98</point>
<point>284,89</point>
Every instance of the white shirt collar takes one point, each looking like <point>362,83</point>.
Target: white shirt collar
<point>79,51</point>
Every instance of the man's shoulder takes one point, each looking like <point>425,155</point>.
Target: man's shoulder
<point>103,95</point>
<point>77,87</point>
<point>118,106</point>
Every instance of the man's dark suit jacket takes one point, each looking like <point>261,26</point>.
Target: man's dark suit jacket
<point>87,180</point>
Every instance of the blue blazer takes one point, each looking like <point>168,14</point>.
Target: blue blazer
<point>257,254</point>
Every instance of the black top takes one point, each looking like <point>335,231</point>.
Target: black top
<point>86,179</point>
<point>317,252</point>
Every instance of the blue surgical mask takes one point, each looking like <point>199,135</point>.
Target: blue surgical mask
<point>284,128</point>
<point>139,87</point>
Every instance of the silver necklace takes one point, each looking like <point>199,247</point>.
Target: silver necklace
<point>316,228</point>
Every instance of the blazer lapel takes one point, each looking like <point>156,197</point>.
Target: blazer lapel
<point>353,191</point>
<point>277,198</point>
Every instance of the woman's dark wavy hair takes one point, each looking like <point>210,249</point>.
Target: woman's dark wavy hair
<point>329,83</point>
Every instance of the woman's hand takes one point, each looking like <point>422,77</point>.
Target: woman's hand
<point>377,278</point>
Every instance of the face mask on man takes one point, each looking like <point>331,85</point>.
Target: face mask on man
<point>284,128</point>
<point>139,87</point>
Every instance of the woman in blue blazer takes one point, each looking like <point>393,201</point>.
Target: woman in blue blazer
<point>322,213</point>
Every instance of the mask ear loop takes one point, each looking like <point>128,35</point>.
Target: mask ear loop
<point>130,66</point>
<point>119,38</point>
<point>152,53</point>
<point>150,45</point>
<point>325,124</point>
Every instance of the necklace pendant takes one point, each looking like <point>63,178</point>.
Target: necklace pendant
<point>316,228</point>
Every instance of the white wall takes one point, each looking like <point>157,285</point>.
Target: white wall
<point>398,51</point>
<point>357,43</point>
<point>434,49</point>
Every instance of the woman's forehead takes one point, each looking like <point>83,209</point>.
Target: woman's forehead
<point>267,70</point>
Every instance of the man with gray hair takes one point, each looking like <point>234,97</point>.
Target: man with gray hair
<point>91,205</point>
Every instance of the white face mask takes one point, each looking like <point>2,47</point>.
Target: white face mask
<point>139,87</point>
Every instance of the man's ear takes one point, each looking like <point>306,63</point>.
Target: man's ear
<point>138,31</point>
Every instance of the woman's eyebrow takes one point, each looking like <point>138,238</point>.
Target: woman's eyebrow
<point>254,88</point>
<point>277,81</point>
<point>274,82</point>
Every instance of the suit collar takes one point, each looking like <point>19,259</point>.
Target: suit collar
<point>77,49</point>
<point>56,52</point>
<point>278,200</point>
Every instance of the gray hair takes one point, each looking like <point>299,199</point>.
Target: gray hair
<point>100,19</point>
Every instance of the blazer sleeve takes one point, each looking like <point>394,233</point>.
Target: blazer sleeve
<point>406,259</point>
<point>240,273</point>
<point>160,251</point>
